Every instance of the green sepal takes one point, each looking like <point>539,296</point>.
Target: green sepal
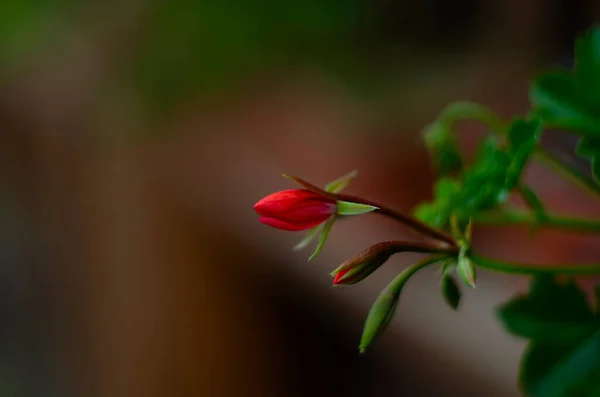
<point>309,237</point>
<point>465,267</point>
<point>341,183</point>
<point>450,291</point>
<point>448,267</point>
<point>347,208</point>
<point>323,236</point>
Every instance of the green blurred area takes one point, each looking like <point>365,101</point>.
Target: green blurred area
<point>177,51</point>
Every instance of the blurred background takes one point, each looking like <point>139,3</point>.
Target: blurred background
<point>136,136</point>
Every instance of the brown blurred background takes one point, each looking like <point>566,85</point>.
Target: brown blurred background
<point>135,136</point>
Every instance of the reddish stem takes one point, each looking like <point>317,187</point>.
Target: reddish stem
<point>383,210</point>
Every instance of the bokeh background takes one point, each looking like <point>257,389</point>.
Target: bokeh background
<point>135,137</point>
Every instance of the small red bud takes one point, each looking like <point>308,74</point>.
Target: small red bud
<point>356,269</point>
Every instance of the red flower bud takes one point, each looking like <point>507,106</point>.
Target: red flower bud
<point>296,209</point>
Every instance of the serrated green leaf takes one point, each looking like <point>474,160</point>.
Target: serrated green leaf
<point>523,136</point>
<point>323,236</point>
<point>347,208</point>
<point>563,357</point>
<point>465,267</point>
<point>341,183</point>
<point>450,291</point>
<point>558,101</point>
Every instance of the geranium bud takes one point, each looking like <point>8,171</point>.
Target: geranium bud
<point>356,269</point>
<point>296,209</point>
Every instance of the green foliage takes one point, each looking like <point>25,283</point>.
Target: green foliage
<point>570,100</point>
<point>563,357</point>
<point>480,186</point>
<point>204,46</point>
<point>442,147</point>
<point>523,136</point>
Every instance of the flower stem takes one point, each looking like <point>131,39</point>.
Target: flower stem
<point>401,217</point>
<point>571,173</point>
<point>397,246</point>
<point>527,268</point>
<point>523,218</point>
<point>381,209</point>
<point>397,284</point>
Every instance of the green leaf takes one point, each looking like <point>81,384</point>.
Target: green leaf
<point>523,136</point>
<point>558,101</point>
<point>309,237</point>
<point>434,214</point>
<point>563,370</point>
<point>348,208</point>
<point>443,149</point>
<point>543,323</point>
<point>465,267</point>
<point>486,178</point>
<point>588,147</point>
<point>447,189</point>
<point>587,64</point>
<point>563,357</point>
<point>596,168</point>
<point>450,291</point>
<point>323,236</point>
<point>341,183</point>
<point>597,298</point>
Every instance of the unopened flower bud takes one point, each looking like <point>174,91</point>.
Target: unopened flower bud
<point>296,209</point>
<point>355,269</point>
